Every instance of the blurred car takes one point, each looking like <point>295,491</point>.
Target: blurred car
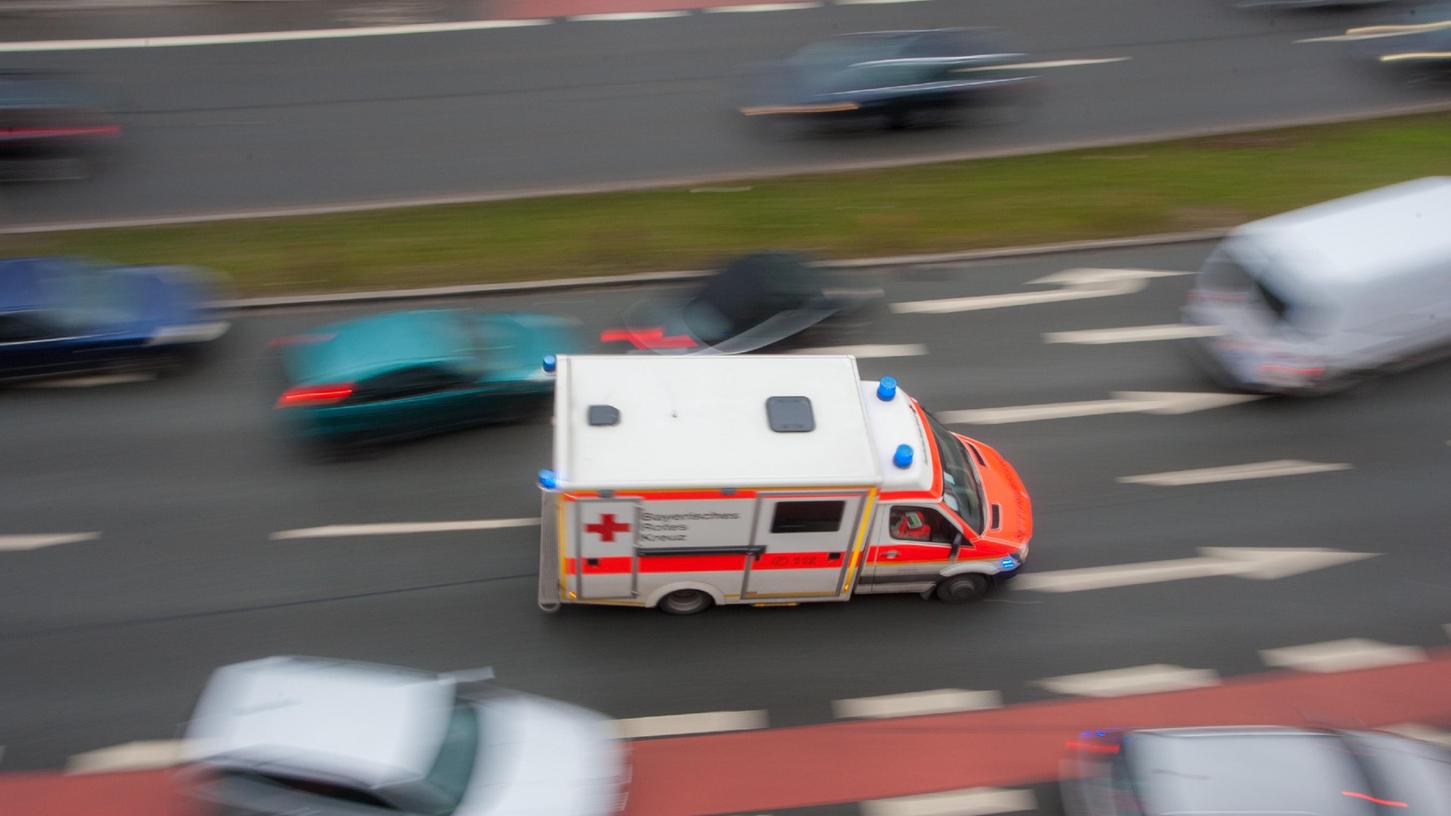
<point>1418,47</point>
<point>411,373</point>
<point>899,77</point>
<point>758,301</point>
<point>1254,770</point>
<point>298,735</point>
<point>65,316</point>
<point>1310,301</point>
<point>42,116</point>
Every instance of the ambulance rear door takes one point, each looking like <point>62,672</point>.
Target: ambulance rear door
<point>603,557</point>
<point>803,543</point>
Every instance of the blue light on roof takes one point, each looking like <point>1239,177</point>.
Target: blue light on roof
<point>550,363</point>
<point>1008,562</point>
<point>1099,734</point>
<point>902,458</point>
<point>887,389</point>
<point>548,479</point>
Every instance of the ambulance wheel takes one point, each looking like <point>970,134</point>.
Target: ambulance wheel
<point>961,589</point>
<point>685,602</point>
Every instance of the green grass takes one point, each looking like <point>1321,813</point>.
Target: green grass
<point>1082,194</point>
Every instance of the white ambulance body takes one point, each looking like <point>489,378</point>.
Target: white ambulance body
<point>686,482</point>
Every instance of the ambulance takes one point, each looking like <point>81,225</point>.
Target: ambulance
<point>682,483</point>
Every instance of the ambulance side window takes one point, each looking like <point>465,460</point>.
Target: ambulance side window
<point>807,516</point>
<point>912,523</point>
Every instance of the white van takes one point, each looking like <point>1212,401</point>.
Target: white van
<point>1311,300</point>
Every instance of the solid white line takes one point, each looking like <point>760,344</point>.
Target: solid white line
<point>15,543</point>
<point>703,723</point>
<point>130,756</point>
<point>1424,733</point>
<point>1135,680</point>
<point>1341,655</point>
<point>870,351</point>
<point>262,36</point>
<point>940,701</point>
<point>754,7</point>
<point>1234,473</point>
<point>970,802</point>
<point>622,16</point>
<point>403,528</point>
<point>94,381</point>
<point>1132,334</point>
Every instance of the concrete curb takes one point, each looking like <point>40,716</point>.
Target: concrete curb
<point>638,278</point>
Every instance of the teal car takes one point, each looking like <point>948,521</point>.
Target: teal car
<point>413,373</point>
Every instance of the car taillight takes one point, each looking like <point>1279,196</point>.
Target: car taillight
<point>651,338</point>
<point>315,394</point>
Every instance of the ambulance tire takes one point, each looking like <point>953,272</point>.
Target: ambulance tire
<point>685,602</point>
<point>964,588</point>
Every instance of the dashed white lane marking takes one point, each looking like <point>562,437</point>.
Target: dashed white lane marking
<point>871,351</point>
<point>1422,732</point>
<point>403,528</point>
<point>940,701</point>
<point>1234,473</point>
<point>1123,402</point>
<point>1038,66</point>
<point>755,7</point>
<point>15,543</point>
<point>970,802</point>
<point>703,723</point>
<point>626,16</point>
<point>1341,655</point>
<point>1133,334</point>
<point>1135,680</point>
<point>130,756</point>
<point>94,381</point>
<point>262,36</point>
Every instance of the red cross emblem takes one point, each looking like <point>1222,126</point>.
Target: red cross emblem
<point>607,527</point>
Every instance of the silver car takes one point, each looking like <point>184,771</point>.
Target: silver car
<point>1254,770</point>
<point>314,737</point>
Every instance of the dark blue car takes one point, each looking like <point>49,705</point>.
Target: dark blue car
<point>61,316</point>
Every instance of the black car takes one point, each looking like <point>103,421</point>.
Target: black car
<point>898,77</point>
<point>44,117</point>
<point>767,300</point>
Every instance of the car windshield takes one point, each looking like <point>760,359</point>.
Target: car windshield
<point>454,766</point>
<point>960,489</point>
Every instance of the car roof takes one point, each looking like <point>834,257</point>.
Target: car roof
<point>314,717</point>
<point>1227,771</point>
<point>369,346</point>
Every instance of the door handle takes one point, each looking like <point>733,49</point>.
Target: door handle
<point>890,554</point>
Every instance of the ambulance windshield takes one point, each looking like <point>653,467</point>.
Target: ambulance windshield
<point>959,483</point>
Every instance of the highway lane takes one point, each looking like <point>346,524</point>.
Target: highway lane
<point>243,127</point>
<point>107,641</point>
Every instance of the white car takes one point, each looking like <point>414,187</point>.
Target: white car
<point>317,737</point>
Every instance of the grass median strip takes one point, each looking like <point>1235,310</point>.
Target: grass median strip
<point>1074,195</point>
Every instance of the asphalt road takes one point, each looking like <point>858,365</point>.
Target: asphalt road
<point>322,122</point>
<point>108,641</point>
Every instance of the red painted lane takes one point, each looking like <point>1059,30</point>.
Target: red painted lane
<point>761,770</point>
<point>138,793</point>
<point>571,8</point>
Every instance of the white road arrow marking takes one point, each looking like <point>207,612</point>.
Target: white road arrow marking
<point>403,528</point>
<point>9,543</point>
<point>1258,563</point>
<point>1133,334</point>
<point>1073,284</point>
<point>1234,473</point>
<point>1123,402</point>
